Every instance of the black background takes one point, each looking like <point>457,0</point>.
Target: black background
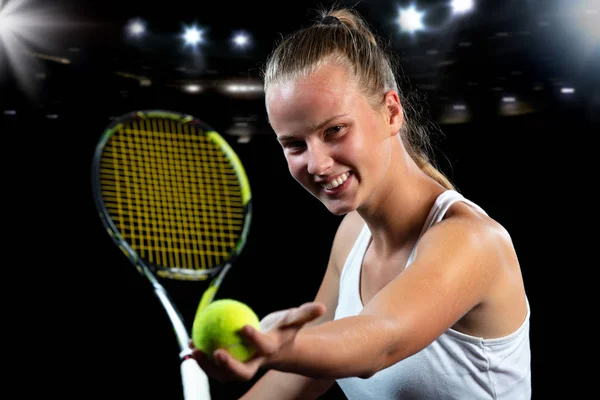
<point>97,331</point>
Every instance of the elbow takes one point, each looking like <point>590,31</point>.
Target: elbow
<point>367,374</point>
<point>369,370</point>
<point>384,351</point>
<point>388,357</point>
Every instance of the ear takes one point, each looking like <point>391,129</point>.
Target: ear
<point>393,108</point>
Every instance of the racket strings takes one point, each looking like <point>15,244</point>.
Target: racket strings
<point>172,193</point>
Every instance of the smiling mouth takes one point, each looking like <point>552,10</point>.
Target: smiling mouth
<point>336,182</point>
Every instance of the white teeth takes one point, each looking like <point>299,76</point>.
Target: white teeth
<point>337,182</point>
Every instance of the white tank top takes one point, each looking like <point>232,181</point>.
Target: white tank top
<point>455,366</point>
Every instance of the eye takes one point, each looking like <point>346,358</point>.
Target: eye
<point>293,145</point>
<point>334,130</point>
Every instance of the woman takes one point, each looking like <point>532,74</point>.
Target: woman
<point>423,296</point>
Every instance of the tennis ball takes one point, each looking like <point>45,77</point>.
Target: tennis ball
<point>217,326</point>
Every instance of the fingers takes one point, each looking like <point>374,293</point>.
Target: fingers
<point>292,316</point>
<point>286,323</point>
<point>224,368</point>
<point>263,343</point>
<point>208,366</point>
<point>241,371</point>
<point>272,320</point>
<point>305,313</point>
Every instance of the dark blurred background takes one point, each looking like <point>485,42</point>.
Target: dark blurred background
<point>513,85</point>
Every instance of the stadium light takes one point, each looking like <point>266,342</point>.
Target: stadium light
<point>461,6</point>
<point>410,19</point>
<point>136,28</point>
<point>193,35</point>
<point>24,33</point>
<point>241,39</point>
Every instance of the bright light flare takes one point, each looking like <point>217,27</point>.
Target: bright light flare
<point>583,17</point>
<point>26,29</point>
<point>567,90</point>
<point>193,35</point>
<point>192,88</point>
<point>241,39</point>
<point>136,28</point>
<point>461,6</point>
<point>410,19</point>
<point>590,20</point>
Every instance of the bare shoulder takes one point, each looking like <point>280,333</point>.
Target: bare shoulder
<point>472,233</point>
<point>477,228</point>
<point>478,251</point>
<point>346,235</point>
<point>464,216</point>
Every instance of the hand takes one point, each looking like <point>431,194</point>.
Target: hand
<point>276,330</point>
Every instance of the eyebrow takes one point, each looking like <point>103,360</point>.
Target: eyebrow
<point>285,138</point>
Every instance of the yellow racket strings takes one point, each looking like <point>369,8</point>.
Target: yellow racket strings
<point>172,193</point>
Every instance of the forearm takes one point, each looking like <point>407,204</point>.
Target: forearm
<point>354,346</point>
<point>277,385</point>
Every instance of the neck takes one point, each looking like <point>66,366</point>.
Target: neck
<point>396,211</point>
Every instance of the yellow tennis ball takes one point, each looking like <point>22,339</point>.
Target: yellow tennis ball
<point>217,326</point>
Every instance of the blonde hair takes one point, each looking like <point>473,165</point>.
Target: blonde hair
<point>342,36</point>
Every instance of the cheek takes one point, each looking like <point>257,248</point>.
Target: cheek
<point>351,152</point>
<point>364,152</point>
<point>296,167</point>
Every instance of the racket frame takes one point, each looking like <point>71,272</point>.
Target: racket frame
<point>194,380</point>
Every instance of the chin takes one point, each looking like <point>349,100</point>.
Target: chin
<point>338,212</point>
<point>339,209</point>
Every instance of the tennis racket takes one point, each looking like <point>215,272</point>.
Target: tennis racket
<point>175,198</point>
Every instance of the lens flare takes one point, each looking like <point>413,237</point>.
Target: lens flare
<point>26,29</point>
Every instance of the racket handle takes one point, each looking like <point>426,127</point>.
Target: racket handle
<point>194,380</point>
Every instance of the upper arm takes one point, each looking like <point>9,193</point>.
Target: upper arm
<point>455,264</point>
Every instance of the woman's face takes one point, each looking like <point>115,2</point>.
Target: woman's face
<point>336,145</point>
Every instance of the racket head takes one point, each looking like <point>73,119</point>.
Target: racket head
<point>172,194</point>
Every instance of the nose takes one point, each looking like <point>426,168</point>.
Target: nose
<point>319,160</point>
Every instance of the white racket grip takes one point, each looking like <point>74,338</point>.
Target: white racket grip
<point>194,380</point>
